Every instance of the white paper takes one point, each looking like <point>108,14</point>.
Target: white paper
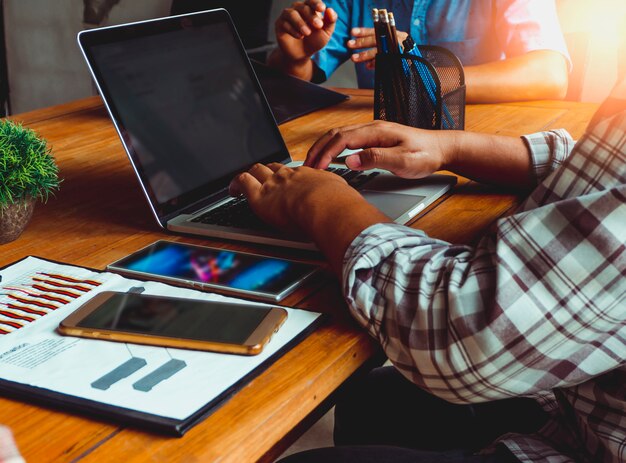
<point>37,356</point>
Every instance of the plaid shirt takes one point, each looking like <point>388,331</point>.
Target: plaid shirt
<point>538,308</point>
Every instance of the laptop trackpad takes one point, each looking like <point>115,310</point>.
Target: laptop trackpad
<point>389,183</point>
<point>394,205</point>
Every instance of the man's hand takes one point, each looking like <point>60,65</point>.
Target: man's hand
<point>283,196</point>
<point>304,28</point>
<point>416,153</point>
<point>365,38</point>
<point>405,151</point>
<point>304,200</point>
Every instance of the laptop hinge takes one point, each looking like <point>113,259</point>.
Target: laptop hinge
<point>198,205</point>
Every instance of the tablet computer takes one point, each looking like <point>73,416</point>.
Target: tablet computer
<point>200,267</point>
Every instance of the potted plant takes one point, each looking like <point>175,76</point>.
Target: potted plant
<point>27,172</point>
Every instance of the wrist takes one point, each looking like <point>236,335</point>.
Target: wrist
<point>333,219</point>
<point>298,67</point>
<point>450,149</point>
<point>312,208</point>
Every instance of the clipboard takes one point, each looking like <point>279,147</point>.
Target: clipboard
<point>29,388</point>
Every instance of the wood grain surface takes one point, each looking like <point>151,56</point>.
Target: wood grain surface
<point>100,215</point>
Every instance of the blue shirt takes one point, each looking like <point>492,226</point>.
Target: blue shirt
<point>477,31</point>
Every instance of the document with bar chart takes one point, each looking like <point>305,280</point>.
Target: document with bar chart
<point>165,389</point>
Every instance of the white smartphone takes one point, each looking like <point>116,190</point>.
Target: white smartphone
<point>238,273</point>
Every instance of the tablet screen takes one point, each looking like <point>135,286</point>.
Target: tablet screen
<point>219,267</point>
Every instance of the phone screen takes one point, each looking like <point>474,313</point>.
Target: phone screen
<point>217,266</point>
<point>176,318</point>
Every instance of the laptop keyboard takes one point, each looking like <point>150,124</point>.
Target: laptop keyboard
<point>238,214</point>
<point>354,178</point>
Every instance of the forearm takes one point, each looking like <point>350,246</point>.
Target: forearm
<point>491,159</point>
<point>508,161</point>
<point>334,221</point>
<point>302,69</point>
<point>537,75</point>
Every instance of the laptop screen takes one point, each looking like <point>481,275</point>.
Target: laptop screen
<point>186,103</point>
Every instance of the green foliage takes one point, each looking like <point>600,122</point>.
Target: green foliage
<point>27,168</point>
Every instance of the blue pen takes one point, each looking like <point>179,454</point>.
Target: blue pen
<point>406,70</point>
<point>382,13</point>
<point>429,83</point>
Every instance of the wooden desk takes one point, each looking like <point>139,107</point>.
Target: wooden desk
<point>100,215</point>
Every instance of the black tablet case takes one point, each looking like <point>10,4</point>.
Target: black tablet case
<point>290,97</point>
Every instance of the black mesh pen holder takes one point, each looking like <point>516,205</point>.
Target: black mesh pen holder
<point>427,92</point>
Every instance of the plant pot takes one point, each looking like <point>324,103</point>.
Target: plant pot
<point>14,218</point>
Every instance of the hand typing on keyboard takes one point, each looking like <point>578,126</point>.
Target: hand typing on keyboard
<point>235,213</point>
<point>404,151</point>
<point>322,205</point>
<point>305,200</point>
<point>354,178</point>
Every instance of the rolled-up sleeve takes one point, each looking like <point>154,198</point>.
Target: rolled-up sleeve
<point>548,150</point>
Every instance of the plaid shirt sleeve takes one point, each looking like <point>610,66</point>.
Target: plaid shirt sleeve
<point>538,305</point>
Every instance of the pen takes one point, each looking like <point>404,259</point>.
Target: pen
<point>410,47</point>
<point>380,49</point>
<point>384,28</point>
<point>376,19</point>
<point>393,33</point>
<point>398,75</point>
<point>398,47</point>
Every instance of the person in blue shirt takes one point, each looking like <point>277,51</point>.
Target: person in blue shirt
<point>510,49</point>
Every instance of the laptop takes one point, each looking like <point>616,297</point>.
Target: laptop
<point>191,115</point>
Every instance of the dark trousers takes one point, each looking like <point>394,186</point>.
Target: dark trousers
<point>386,418</point>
